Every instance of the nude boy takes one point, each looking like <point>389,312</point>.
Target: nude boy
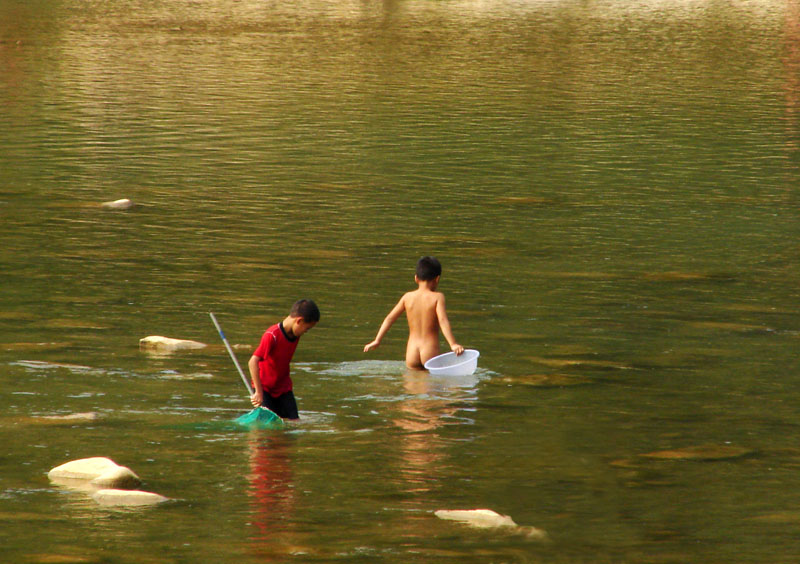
<point>426,314</point>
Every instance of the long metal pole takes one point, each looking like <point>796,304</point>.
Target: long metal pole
<point>230,352</point>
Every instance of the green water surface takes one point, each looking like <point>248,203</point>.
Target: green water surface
<point>611,187</point>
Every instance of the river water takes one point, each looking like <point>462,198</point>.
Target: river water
<point>612,189</point>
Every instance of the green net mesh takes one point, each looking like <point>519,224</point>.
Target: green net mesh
<point>260,418</point>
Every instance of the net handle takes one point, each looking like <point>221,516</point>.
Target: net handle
<point>230,352</point>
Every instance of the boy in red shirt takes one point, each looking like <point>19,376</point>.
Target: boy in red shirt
<point>269,365</point>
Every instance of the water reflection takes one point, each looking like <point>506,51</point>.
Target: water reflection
<point>566,144</point>
<point>791,62</point>
<point>272,494</point>
<point>421,447</point>
<point>430,403</point>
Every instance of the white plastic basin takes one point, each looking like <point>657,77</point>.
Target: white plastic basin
<point>448,364</point>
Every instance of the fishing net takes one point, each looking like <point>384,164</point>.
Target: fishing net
<point>260,418</point>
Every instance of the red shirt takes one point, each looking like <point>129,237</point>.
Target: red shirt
<point>275,351</point>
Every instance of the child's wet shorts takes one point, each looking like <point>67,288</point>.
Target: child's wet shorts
<point>284,405</point>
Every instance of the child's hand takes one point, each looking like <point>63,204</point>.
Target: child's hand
<point>256,398</point>
<point>372,345</point>
<point>458,349</point>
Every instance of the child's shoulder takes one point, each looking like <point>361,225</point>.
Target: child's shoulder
<point>409,296</point>
<point>424,295</point>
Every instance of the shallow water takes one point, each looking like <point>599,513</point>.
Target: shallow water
<point>610,186</point>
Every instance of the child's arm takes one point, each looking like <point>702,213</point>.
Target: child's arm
<point>258,394</point>
<point>387,323</point>
<point>444,324</point>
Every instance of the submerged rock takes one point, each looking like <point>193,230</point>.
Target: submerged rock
<point>128,498</point>
<point>34,346</point>
<point>333,254</point>
<point>546,380</point>
<point>701,452</point>
<point>779,517</point>
<point>726,326</point>
<point>166,344</point>
<point>526,201</point>
<point>62,558</point>
<point>60,420</point>
<point>73,324</point>
<point>481,518</point>
<point>579,362</point>
<point>679,276</point>
<point>85,416</point>
<point>107,482</point>
<point>591,275</point>
<point>122,204</point>
<point>488,519</point>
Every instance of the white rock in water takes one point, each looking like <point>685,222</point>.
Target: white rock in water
<point>488,519</point>
<point>127,497</point>
<point>83,469</point>
<point>166,344</point>
<point>482,518</point>
<point>123,204</point>
<point>119,478</point>
<point>84,416</point>
<point>89,474</point>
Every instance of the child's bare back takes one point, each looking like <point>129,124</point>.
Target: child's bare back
<point>426,314</point>
<point>422,308</point>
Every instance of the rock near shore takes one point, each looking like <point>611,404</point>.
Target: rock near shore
<point>127,498</point>
<point>106,481</point>
<point>87,473</point>
<point>121,204</point>
<point>157,343</point>
<point>488,519</point>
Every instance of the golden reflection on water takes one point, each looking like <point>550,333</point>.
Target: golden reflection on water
<point>610,185</point>
<point>421,447</point>
<point>272,492</point>
<point>791,62</point>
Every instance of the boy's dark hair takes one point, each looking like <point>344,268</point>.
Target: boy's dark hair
<point>428,268</point>
<point>306,309</point>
